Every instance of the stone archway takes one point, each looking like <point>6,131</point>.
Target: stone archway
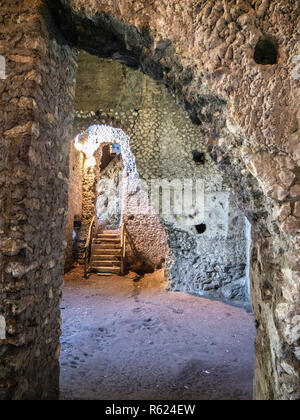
<point>169,151</point>
<point>247,111</point>
<point>128,192</point>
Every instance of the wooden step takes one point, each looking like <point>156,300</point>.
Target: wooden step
<point>107,263</point>
<point>101,269</point>
<point>106,257</point>
<point>106,251</point>
<point>112,236</point>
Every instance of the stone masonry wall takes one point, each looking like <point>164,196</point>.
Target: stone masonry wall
<point>36,101</point>
<point>74,203</point>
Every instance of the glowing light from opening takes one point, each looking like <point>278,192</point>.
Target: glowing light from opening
<point>89,141</point>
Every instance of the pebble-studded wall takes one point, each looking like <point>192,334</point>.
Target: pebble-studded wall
<point>212,262</point>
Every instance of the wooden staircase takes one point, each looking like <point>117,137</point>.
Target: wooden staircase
<point>106,252</point>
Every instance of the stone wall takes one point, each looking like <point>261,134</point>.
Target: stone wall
<point>117,199</point>
<point>163,142</point>
<point>211,266</point>
<point>109,192</point>
<point>36,101</point>
<point>74,205</point>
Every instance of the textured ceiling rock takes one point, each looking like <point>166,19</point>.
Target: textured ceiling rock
<point>204,52</point>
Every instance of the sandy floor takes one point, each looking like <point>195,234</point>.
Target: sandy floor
<point>126,340</point>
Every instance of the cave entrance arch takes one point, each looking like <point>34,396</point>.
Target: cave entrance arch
<point>110,187</point>
<point>113,192</point>
<point>154,149</point>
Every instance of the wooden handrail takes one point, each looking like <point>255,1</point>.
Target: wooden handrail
<point>88,247</point>
<point>130,240</point>
<point>90,232</point>
<point>123,248</point>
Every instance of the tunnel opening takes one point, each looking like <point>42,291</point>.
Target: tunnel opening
<point>115,208</point>
<point>199,157</point>
<point>126,179</point>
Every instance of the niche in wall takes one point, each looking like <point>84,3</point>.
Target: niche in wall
<point>201,228</point>
<point>199,157</point>
<point>266,51</point>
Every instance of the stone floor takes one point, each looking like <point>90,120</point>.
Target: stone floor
<point>126,340</point>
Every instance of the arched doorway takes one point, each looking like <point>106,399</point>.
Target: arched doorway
<point>154,139</point>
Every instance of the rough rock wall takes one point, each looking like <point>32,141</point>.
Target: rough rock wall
<point>36,101</point>
<point>249,114</point>
<point>163,142</point>
<point>109,192</point>
<point>118,196</point>
<point>212,266</point>
<point>150,243</point>
<point>74,203</point>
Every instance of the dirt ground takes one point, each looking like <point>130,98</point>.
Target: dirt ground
<point>133,340</point>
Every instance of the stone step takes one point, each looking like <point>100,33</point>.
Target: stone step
<point>104,274</point>
<point>101,269</point>
<point>109,232</point>
<point>104,245</point>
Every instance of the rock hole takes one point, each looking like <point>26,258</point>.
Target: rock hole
<point>266,52</point>
<point>199,157</point>
<point>200,228</point>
